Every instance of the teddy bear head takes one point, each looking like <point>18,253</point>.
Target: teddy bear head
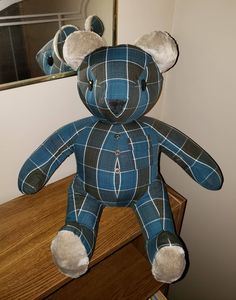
<point>120,83</point>
<point>50,56</point>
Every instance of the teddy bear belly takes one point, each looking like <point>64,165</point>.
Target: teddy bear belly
<point>114,162</point>
<point>117,188</point>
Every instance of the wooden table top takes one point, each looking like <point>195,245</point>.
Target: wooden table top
<point>29,223</point>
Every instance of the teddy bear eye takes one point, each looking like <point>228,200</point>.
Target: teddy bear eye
<point>90,85</point>
<point>50,60</point>
<point>143,84</point>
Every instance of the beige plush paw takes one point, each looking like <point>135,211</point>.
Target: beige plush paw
<point>169,264</point>
<point>69,254</point>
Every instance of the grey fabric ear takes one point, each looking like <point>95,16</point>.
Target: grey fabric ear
<point>78,45</point>
<point>59,40</point>
<point>161,46</point>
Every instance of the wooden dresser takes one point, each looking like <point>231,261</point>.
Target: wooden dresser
<point>118,269</point>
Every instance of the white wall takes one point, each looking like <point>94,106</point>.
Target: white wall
<point>137,17</point>
<point>200,100</point>
<point>27,116</point>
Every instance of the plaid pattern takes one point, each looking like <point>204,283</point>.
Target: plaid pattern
<point>117,74</point>
<point>60,38</point>
<point>158,296</point>
<point>51,62</point>
<point>155,217</point>
<point>186,153</point>
<point>83,215</point>
<point>118,155</point>
<point>118,166</point>
<point>96,25</point>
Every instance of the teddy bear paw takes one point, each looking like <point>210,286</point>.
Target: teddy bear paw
<point>69,254</point>
<point>169,264</point>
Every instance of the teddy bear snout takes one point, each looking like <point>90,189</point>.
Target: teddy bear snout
<point>116,106</point>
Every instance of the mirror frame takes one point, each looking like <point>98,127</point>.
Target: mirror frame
<point>44,78</point>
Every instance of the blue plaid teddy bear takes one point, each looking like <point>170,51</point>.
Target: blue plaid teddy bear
<point>117,151</point>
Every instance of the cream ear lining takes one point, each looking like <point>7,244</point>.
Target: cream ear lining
<point>78,45</point>
<point>55,41</point>
<point>161,46</point>
<point>87,24</point>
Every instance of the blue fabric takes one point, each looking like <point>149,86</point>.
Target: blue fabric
<point>129,177</point>
<point>117,73</point>
<point>118,156</point>
<point>97,25</point>
<point>46,57</point>
<point>48,61</point>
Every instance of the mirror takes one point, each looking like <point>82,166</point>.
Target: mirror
<point>27,25</point>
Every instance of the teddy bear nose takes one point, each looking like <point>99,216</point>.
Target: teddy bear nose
<point>116,106</point>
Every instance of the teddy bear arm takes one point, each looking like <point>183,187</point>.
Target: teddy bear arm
<point>193,159</point>
<point>39,168</point>
<point>44,161</point>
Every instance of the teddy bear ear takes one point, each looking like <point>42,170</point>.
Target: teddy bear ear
<point>162,47</point>
<point>95,24</point>
<point>78,45</point>
<point>59,40</point>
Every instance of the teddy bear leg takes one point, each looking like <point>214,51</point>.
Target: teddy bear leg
<point>164,248</point>
<point>74,244</point>
<point>69,254</point>
<point>169,261</point>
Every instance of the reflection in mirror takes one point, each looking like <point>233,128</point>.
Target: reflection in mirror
<point>27,25</point>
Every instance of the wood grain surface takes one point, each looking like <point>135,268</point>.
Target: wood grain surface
<point>28,225</point>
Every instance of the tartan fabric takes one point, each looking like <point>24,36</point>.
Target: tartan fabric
<point>96,25</point>
<point>156,220</point>
<point>118,166</point>
<point>49,62</point>
<point>117,73</point>
<point>46,57</point>
<point>83,215</point>
<point>117,151</point>
<point>195,161</point>
<point>60,38</point>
